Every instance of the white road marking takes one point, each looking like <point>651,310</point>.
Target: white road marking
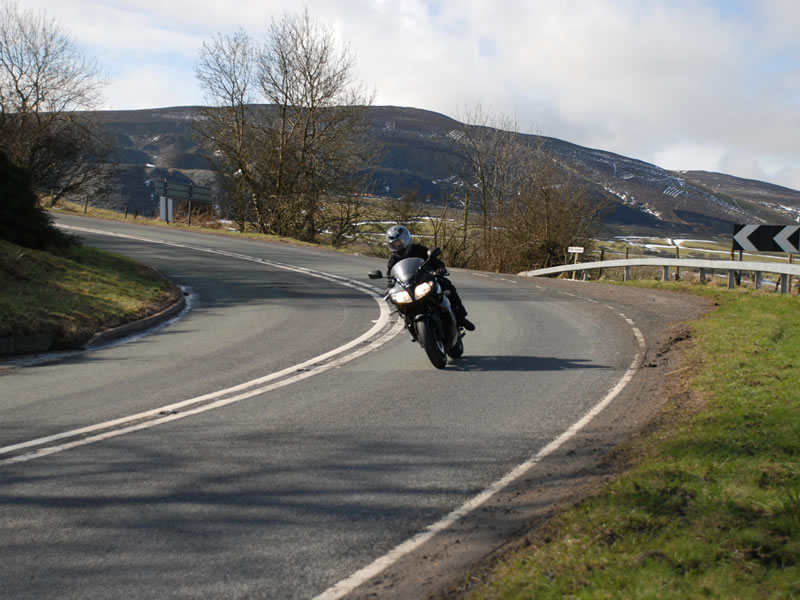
<point>170,413</point>
<point>362,576</point>
<point>319,364</point>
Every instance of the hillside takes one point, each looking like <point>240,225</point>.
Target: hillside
<point>416,152</point>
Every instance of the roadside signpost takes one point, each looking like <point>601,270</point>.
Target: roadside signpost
<point>767,238</point>
<point>577,251</point>
<point>169,191</point>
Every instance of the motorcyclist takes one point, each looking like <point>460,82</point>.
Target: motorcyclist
<point>398,239</point>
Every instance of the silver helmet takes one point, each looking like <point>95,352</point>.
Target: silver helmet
<point>398,238</point>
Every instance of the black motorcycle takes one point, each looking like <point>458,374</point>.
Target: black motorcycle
<point>429,318</point>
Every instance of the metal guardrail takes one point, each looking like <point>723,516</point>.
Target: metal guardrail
<point>705,267</point>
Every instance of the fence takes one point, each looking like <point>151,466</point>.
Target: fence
<point>705,266</point>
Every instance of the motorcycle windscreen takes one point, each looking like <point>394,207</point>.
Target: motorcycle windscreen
<point>406,269</point>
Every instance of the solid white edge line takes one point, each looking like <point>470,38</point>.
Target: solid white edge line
<point>362,576</point>
<point>379,324</point>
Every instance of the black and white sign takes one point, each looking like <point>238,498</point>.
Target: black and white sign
<point>767,238</point>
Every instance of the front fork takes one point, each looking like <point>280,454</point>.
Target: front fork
<point>451,326</point>
<point>422,317</point>
<point>411,327</point>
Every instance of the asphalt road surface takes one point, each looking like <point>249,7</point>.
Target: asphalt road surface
<point>284,440</point>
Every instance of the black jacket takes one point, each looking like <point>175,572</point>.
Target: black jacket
<point>414,251</point>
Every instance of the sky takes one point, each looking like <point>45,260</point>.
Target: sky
<point>685,84</point>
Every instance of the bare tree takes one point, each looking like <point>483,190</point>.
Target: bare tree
<point>497,162</point>
<point>408,211</point>
<point>45,80</point>
<point>451,233</point>
<point>229,127</point>
<point>342,220</point>
<point>550,214</point>
<point>531,208</point>
<point>305,141</point>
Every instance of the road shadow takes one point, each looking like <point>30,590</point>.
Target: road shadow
<point>244,508</point>
<point>520,363</point>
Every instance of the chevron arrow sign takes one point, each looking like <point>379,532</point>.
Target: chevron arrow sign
<point>767,238</point>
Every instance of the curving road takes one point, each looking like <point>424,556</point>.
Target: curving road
<point>283,441</point>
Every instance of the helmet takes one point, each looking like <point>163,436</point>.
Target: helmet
<point>398,238</point>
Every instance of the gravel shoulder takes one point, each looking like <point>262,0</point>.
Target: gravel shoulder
<point>447,565</point>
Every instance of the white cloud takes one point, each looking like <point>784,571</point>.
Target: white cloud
<point>688,156</point>
<point>151,86</point>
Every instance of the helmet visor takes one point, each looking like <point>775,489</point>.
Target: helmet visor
<point>397,244</point>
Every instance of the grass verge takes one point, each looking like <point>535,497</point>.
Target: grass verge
<point>212,226</point>
<point>713,508</point>
<point>74,294</point>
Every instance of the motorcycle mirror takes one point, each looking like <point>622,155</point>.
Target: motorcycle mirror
<point>434,252</point>
<point>375,275</point>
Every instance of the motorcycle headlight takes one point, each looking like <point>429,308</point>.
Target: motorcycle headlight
<point>401,297</point>
<point>422,289</point>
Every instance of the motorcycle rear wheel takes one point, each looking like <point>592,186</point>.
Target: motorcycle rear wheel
<point>432,338</point>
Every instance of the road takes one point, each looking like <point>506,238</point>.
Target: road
<point>282,440</point>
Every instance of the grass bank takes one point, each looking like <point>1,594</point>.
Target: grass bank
<point>212,226</point>
<point>74,294</point>
<point>713,507</point>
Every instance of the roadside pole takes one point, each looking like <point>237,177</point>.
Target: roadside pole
<point>577,251</point>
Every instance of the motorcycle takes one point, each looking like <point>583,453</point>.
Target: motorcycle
<point>419,298</point>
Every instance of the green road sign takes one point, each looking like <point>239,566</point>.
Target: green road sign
<point>182,191</point>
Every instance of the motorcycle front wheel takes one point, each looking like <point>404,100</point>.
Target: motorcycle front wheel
<point>457,350</point>
<point>432,338</point>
